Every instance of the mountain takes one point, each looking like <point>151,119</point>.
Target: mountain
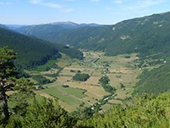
<point>3,26</point>
<point>48,28</point>
<point>13,26</point>
<point>72,24</point>
<point>32,51</point>
<point>52,31</point>
<point>148,36</point>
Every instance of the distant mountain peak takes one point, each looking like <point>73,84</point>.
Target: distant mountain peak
<point>64,22</point>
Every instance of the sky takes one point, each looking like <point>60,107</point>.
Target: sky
<point>106,12</point>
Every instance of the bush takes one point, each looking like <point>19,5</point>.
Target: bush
<point>81,77</point>
<point>41,79</point>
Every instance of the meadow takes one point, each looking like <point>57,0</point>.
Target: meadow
<point>91,92</point>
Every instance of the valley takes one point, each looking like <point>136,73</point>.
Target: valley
<point>121,71</point>
<point>86,75</point>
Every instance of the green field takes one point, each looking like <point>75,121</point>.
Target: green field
<point>119,69</point>
<point>71,96</point>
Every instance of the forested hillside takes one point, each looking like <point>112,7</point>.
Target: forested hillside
<point>155,81</point>
<point>147,35</point>
<point>32,51</point>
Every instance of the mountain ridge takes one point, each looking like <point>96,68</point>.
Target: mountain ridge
<point>32,51</point>
<point>127,36</point>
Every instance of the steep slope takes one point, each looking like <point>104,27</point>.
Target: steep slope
<point>155,81</point>
<point>32,51</point>
<point>147,35</point>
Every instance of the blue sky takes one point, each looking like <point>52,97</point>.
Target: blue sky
<point>28,12</point>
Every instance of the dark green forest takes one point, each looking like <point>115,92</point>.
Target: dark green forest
<point>155,81</point>
<point>148,36</point>
<point>32,51</point>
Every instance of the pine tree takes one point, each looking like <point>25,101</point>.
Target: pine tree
<point>9,81</point>
<point>7,69</point>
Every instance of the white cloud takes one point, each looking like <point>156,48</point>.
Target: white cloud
<point>141,4</point>
<point>40,2</point>
<point>148,3</point>
<point>51,5</point>
<point>118,1</point>
<point>95,0</point>
<point>35,1</point>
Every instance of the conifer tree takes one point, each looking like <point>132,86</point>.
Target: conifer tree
<point>7,69</point>
<point>8,79</point>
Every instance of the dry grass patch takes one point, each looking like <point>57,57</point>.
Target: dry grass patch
<point>105,107</point>
<point>52,71</point>
<point>90,99</point>
<point>67,72</point>
<point>113,78</point>
<point>121,70</point>
<point>48,77</point>
<point>61,64</point>
<point>73,68</point>
<point>63,78</point>
<point>125,60</point>
<point>10,92</point>
<point>97,74</point>
<point>45,95</point>
<point>115,101</point>
<point>95,90</point>
<point>93,96</point>
<point>121,94</point>
<point>92,80</point>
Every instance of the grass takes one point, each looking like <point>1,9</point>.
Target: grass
<point>105,107</point>
<point>95,90</point>
<point>71,96</point>
<point>90,91</point>
<point>115,101</point>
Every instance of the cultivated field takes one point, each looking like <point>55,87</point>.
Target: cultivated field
<point>96,65</point>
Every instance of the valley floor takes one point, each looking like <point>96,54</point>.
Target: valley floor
<point>119,69</point>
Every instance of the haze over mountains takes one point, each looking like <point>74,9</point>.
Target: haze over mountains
<point>147,35</point>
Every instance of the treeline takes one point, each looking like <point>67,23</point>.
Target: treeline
<point>104,81</point>
<point>155,81</point>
